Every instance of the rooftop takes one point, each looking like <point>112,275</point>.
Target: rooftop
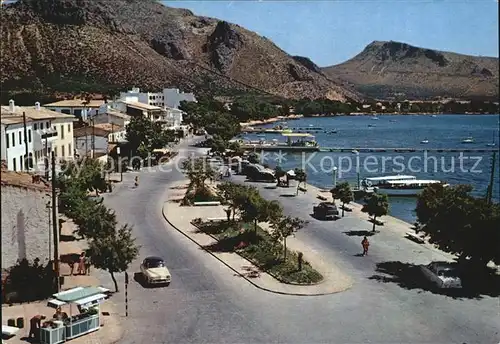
<point>112,128</point>
<point>90,131</point>
<point>141,106</point>
<point>118,114</point>
<point>23,180</point>
<point>32,112</point>
<point>76,103</point>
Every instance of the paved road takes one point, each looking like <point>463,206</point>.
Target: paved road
<point>207,304</point>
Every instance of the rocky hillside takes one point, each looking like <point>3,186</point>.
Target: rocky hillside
<point>389,69</point>
<point>69,46</point>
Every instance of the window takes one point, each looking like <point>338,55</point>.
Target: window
<point>36,126</point>
<point>62,133</point>
<point>78,112</point>
<point>66,111</point>
<point>20,138</point>
<point>13,140</point>
<point>47,125</point>
<point>14,164</point>
<point>63,152</point>
<point>70,152</point>
<point>21,162</point>
<point>29,135</point>
<point>55,151</point>
<point>69,128</point>
<point>7,141</point>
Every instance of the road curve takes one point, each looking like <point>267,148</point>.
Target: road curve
<point>206,303</point>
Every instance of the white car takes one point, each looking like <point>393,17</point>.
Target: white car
<point>154,271</point>
<point>443,274</point>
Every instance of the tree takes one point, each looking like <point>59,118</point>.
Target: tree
<point>198,171</point>
<point>253,158</point>
<point>376,205</point>
<point>218,145</point>
<point>252,206</point>
<point>301,177</point>
<point>460,224</point>
<point>283,227</point>
<point>144,135</point>
<point>231,193</point>
<point>342,192</point>
<point>114,252</point>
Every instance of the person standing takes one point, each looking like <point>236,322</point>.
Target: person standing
<point>87,263</point>
<point>136,181</point>
<point>81,264</point>
<point>35,324</point>
<point>365,243</point>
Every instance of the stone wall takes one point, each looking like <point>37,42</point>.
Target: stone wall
<point>26,230</point>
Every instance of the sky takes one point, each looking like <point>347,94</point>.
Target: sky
<point>331,32</point>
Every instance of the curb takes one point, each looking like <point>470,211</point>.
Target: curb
<point>271,274</point>
<point>237,272</point>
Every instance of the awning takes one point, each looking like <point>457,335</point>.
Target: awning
<point>53,303</point>
<point>91,299</point>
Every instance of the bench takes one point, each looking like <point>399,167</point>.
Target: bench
<point>201,204</point>
<point>216,219</point>
<point>415,237</point>
<point>9,330</point>
<point>321,197</point>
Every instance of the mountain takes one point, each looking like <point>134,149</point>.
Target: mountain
<point>70,46</point>
<point>391,69</point>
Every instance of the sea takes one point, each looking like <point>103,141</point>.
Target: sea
<point>395,131</point>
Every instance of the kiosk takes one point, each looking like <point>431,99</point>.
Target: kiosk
<point>87,299</point>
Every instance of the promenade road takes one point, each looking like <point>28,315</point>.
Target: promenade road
<point>206,303</point>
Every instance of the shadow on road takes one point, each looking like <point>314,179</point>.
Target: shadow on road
<point>335,218</point>
<point>410,276</point>
<point>69,258</point>
<point>66,238</point>
<point>139,278</point>
<point>359,233</point>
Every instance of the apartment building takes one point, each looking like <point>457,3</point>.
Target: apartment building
<point>168,97</point>
<point>76,107</point>
<point>28,139</point>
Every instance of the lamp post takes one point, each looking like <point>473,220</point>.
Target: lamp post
<point>120,163</point>
<point>334,176</point>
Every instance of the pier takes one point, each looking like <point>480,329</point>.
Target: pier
<point>407,150</point>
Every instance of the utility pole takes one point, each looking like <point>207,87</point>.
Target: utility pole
<point>489,193</point>
<point>126,293</point>
<point>93,138</point>
<point>55,228</point>
<point>26,157</point>
<point>46,157</point>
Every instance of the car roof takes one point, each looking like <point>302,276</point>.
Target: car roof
<point>153,258</point>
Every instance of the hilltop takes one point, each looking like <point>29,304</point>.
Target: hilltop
<point>59,47</point>
<point>391,69</point>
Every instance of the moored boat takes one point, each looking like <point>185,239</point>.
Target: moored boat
<point>424,142</point>
<point>468,140</point>
<point>406,188</point>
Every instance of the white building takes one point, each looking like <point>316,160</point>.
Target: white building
<point>46,131</point>
<point>169,97</point>
<point>75,107</point>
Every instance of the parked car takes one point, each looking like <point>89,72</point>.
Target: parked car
<point>326,210</point>
<point>443,274</point>
<point>154,271</point>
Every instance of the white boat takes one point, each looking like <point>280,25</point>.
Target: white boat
<point>491,144</point>
<point>434,116</point>
<point>376,181</point>
<point>468,140</point>
<point>405,187</point>
<point>374,117</point>
<point>424,142</point>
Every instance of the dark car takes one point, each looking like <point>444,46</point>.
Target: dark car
<point>326,210</point>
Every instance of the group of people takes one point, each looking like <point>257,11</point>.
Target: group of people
<point>83,267</point>
<point>36,322</point>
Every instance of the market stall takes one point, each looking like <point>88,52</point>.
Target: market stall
<point>63,327</point>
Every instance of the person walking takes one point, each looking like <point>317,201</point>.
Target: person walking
<point>365,243</point>
<point>81,264</point>
<point>136,181</point>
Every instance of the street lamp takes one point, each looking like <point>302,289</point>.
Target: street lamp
<point>334,176</point>
<point>120,166</point>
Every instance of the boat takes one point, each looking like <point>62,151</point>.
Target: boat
<point>374,118</point>
<point>424,142</point>
<point>468,140</point>
<point>355,151</point>
<point>371,125</point>
<point>411,187</point>
<point>332,132</point>
<point>376,181</point>
<point>433,116</point>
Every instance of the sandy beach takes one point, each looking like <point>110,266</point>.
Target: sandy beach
<point>271,120</point>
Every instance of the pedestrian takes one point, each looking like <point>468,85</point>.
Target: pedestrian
<point>81,264</point>
<point>365,243</point>
<point>87,265</point>
<point>35,324</point>
<point>71,267</point>
<point>136,181</point>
